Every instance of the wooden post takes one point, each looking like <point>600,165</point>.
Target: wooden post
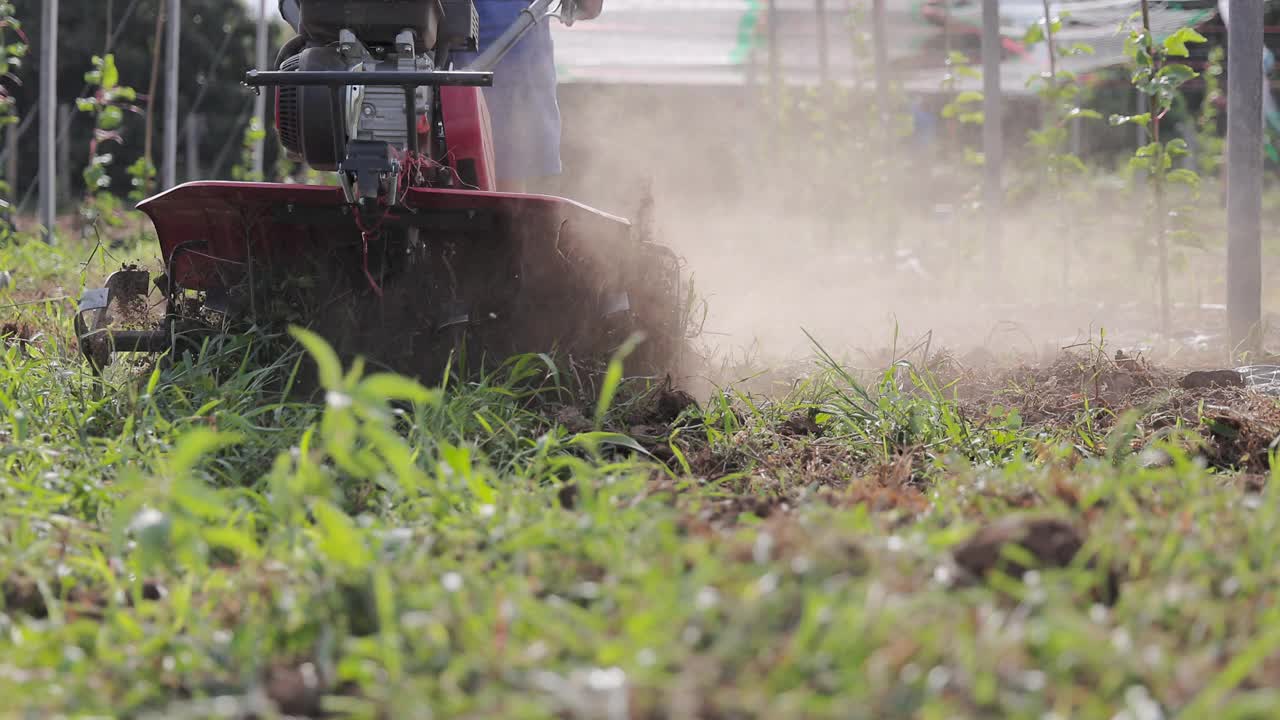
<point>260,102</point>
<point>992,137</point>
<point>48,116</point>
<point>170,174</point>
<point>1244,173</point>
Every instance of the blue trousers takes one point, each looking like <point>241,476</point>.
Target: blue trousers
<point>522,102</point>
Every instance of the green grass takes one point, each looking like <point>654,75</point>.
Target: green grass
<point>194,541</point>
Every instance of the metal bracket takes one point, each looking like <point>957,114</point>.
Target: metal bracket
<point>97,341</point>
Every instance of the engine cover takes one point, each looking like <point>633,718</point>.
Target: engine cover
<point>304,121</point>
<point>373,21</point>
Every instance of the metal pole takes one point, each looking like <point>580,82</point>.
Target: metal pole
<point>824,62</point>
<point>992,134</point>
<point>260,102</point>
<point>1244,172</point>
<point>48,116</point>
<point>170,175</point>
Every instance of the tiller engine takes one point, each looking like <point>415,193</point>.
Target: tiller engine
<point>413,250</point>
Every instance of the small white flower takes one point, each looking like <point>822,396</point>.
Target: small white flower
<point>452,581</point>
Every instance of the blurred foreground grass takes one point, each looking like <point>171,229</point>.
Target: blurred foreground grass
<point>195,542</point>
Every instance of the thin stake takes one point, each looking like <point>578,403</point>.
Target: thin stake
<point>171,95</point>
<point>1051,117</point>
<point>48,117</point>
<point>1244,173</point>
<point>260,100</point>
<point>151,102</point>
<point>992,135</point>
<point>1162,240</point>
<point>1048,41</point>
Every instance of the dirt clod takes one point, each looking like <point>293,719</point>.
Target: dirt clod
<point>800,424</point>
<point>1045,542</point>
<point>567,495</point>
<point>1202,379</point>
<point>22,596</point>
<point>1051,542</point>
<point>671,402</point>
<point>295,689</point>
<point>572,419</point>
<point>16,334</point>
<point>1253,483</point>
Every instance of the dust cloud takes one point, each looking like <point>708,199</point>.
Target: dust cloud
<point>882,248</point>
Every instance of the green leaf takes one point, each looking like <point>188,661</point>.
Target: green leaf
<point>1144,119</point>
<point>596,439</point>
<point>111,118</point>
<point>1177,147</point>
<point>389,386</point>
<point>1184,176</point>
<point>199,499</point>
<point>1172,76</point>
<point>613,378</point>
<point>327,363</point>
<point>110,75</point>
<point>1035,34</point>
<point>1083,113</point>
<point>237,541</point>
<point>194,445</point>
<point>1071,163</point>
<point>1176,44</point>
<point>338,537</point>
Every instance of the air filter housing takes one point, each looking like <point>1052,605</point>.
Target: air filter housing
<point>304,120</point>
<point>373,21</point>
